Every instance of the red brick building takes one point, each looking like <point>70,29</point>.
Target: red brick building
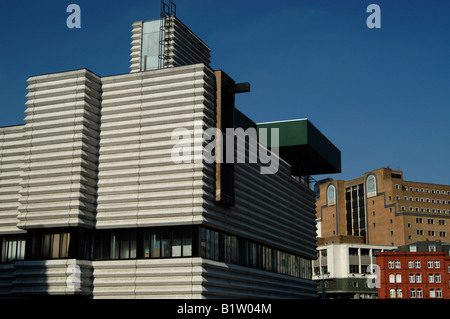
<point>419,270</point>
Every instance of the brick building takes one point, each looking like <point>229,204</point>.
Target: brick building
<point>419,270</point>
<point>384,209</point>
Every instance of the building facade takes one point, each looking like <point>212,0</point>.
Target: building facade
<point>345,268</point>
<point>419,270</point>
<point>103,195</point>
<point>384,209</point>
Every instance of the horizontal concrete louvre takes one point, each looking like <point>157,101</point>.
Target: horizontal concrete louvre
<point>184,47</point>
<point>6,280</point>
<point>52,277</point>
<point>136,45</point>
<point>230,281</point>
<point>147,279</point>
<point>12,152</point>
<point>138,180</point>
<point>59,173</point>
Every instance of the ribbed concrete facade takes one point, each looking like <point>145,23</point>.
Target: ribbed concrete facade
<point>59,172</point>
<point>139,184</point>
<point>94,162</point>
<point>12,156</point>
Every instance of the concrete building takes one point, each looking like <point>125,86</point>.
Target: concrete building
<point>345,268</point>
<point>419,270</point>
<point>384,209</point>
<point>93,203</point>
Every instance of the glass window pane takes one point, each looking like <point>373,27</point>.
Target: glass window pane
<point>146,245</point>
<point>4,250</point>
<point>114,246</point>
<point>45,248</point>
<point>187,243</point>
<point>227,248</point>
<point>65,245</point>
<point>216,246</point>
<point>133,244</point>
<point>55,241</point>
<point>12,249</point>
<point>176,242</point>
<point>208,244</point>
<point>202,242</point>
<point>156,244</point>
<point>125,245</point>
<point>234,250</point>
<point>165,244</point>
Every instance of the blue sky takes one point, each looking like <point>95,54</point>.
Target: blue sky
<point>382,96</point>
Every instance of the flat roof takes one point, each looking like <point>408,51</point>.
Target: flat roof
<point>305,148</point>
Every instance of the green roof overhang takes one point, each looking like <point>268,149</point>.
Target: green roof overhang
<point>305,148</point>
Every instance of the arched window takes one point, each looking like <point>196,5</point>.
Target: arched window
<point>331,195</point>
<point>371,186</point>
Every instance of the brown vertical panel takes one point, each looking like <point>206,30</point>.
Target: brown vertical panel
<point>224,119</point>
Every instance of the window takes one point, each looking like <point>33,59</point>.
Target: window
<point>410,263</point>
<point>391,264</point>
<point>392,278</point>
<point>438,278</point>
<point>398,264</point>
<point>419,278</point>
<point>438,293</point>
<point>412,278</point>
<point>169,242</point>
<point>437,264</point>
<point>354,269</point>
<point>399,293</point>
<point>398,278</point>
<point>392,293</point>
<point>432,293</point>
<point>123,245</point>
<point>13,248</point>
<point>431,278</point>
<point>417,264</point>
<point>430,264</point>
<point>431,248</point>
<point>51,245</point>
<point>412,293</point>
<point>419,293</point>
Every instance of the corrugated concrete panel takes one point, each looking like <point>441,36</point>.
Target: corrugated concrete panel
<point>12,153</point>
<point>184,47</point>
<point>6,280</point>
<point>222,280</point>
<point>148,279</point>
<point>52,277</point>
<point>136,46</point>
<point>59,172</point>
<point>140,184</point>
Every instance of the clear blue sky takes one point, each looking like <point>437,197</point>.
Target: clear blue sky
<point>382,96</point>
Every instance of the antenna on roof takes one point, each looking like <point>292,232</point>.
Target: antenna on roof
<point>167,10</point>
